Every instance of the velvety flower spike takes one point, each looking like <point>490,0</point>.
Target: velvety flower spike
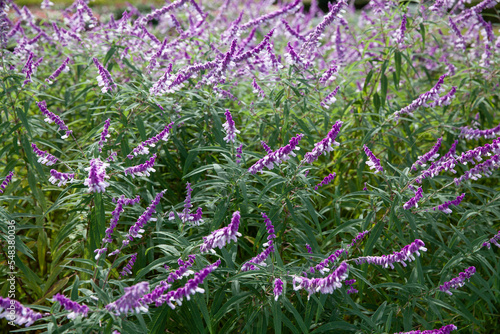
<point>324,145</point>
<point>6,181</point>
<point>104,134</point>
<point>429,156</point>
<point>43,156</point>
<point>445,206</point>
<point>278,288</point>
<point>62,178</point>
<point>325,285</point>
<point>278,156</point>
<point>69,305</point>
<point>142,169</point>
<point>229,128</point>
<point>104,79</point>
<point>97,175</point>
<point>373,161</point>
<point>220,237</point>
<point>130,301</point>
<point>443,330</point>
<point>325,181</point>
<point>413,202</point>
<point>406,254</point>
<point>22,315</point>
<point>151,142</point>
<point>50,117</point>
<point>457,282</point>
<point>495,240</point>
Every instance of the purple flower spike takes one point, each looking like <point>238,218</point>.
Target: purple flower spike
<point>484,169</point>
<point>99,252</point>
<point>155,294</point>
<point>239,152</point>
<point>495,240</point>
<point>220,237</point>
<point>309,249</point>
<point>63,68</point>
<point>359,237</point>
<point>330,98</point>
<point>445,206</point>
<point>406,254</point>
<point>328,75</point>
<point>429,156</point>
<point>63,178</point>
<point>269,228</point>
<point>43,156</point>
<point>69,305</point>
<point>267,17</point>
<point>104,79</point>
<point>142,148</point>
<point>130,301</point>
<point>266,147</point>
<point>46,4</point>
<point>469,133</point>
<point>278,156</point>
<point>142,169</point>
<point>413,202</point>
<point>260,259</point>
<point>325,145</point>
<point>50,117</point>
<point>325,285</point>
<point>322,266</point>
<point>104,134</point>
<point>128,268</point>
<point>257,89</point>
<point>97,175</point>
<point>399,35</point>
<point>116,215</point>
<point>457,282</point>
<point>443,330</point>
<point>334,14</point>
<point>432,94</point>
<point>191,287</point>
<point>229,128</point>
<point>183,270</point>
<point>136,229</point>
<point>326,181</point>
<point>373,161</point>
<point>278,288</point>
<point>21,315</point>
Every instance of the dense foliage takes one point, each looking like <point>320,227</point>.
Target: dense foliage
<point>232,166</point>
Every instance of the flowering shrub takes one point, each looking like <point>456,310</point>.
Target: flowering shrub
<point>202,167</point>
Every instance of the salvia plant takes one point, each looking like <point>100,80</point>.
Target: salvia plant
<point>250,166</point>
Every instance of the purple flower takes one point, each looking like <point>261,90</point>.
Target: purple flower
<point>324,145</point>
<point>97,175</point>
<point>328,75</point>
<point>116,215</point>
<point>128,268</point>
<point>53,118</point>
<point>278,288</point>
<point>239,152</point>
<point>63,68</point>
<point>459,40</point>
<point>6,181</point>
<point>293,58</point>
<point>159,12</point>
<point>365,188</point>
<point>14,311</point>
<point>484,169</point>
<point>257,89</point>
<point>229,128</point>
<point>445,206</point>
<point>413,202</point>
<point>457,282</point>
<point>322,266</point>
<point>432,94</point>
<point>373,161</point>
<point>469,133</point>
<point>334,14</point>
<point>164,84</point>
<point>155,294</point>
<point>266,147</point>
<point>220,237</point>
<point>183,270</point>
<point>269,228</point>
<point>258,260</point>
<point>272,15</point>
<point>151,142</point>
<point>399,35</point>
<point>104,134</point>
<point>326,181</point>
<point>104,79</point>
<point>69,305</point>
<point>352,290</point>
<point>495,240</point>
<point>46,4</point>
<point>278,156</point>
<point>130,301</point>
<point>323,285</point>
<point>142,169</point>
<point>330,98</point>
<point>185,216</point>
<point>136,229</point>
<point>309,249</point>
<point>152,62</point>
<point>292,32</point>
<point>43,156</point>
<point>429,156</point>
<point>191,287</point>
<point>99,252</point>
<point>443,330</point>
<point>406,254</point>
<point>63,178</point>
<point>359,237</point>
